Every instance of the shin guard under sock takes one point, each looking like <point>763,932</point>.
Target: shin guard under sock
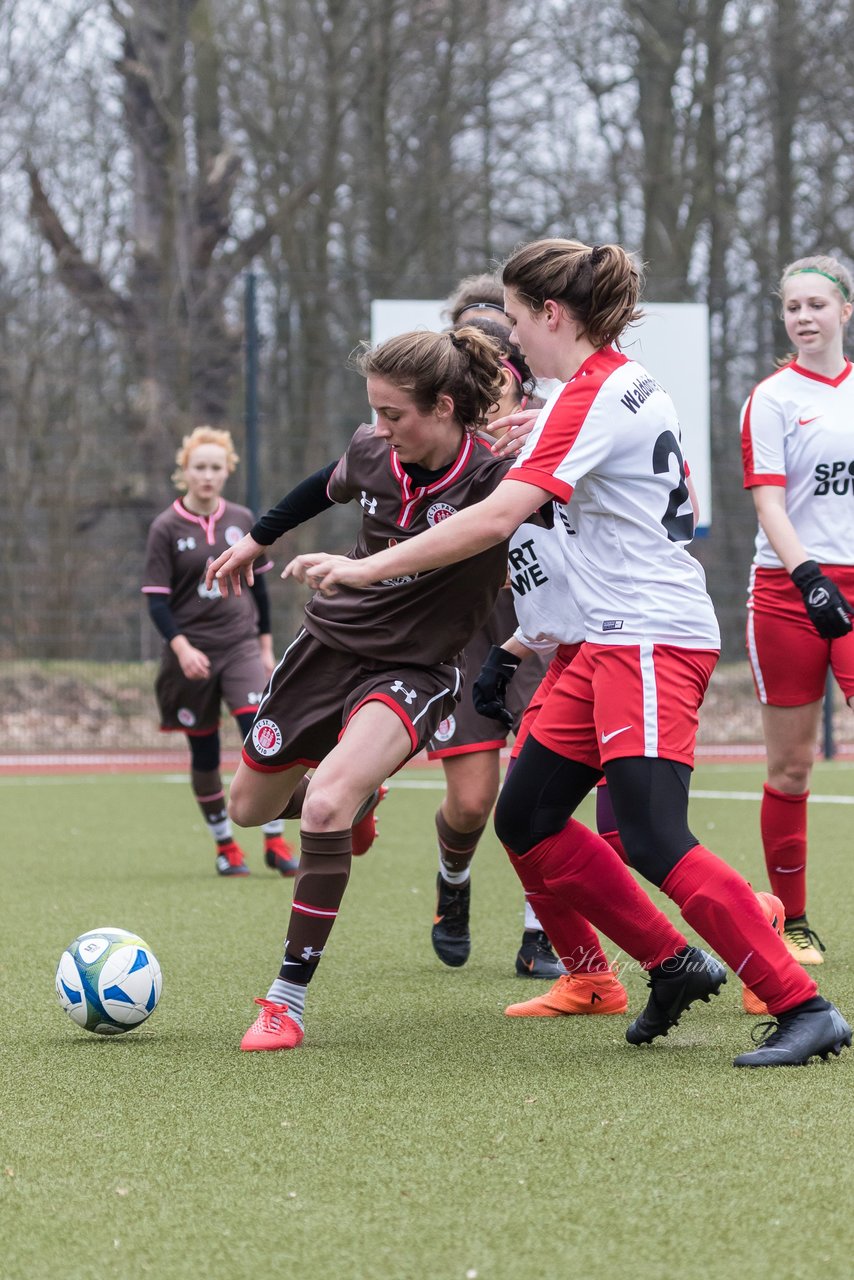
<point>578,870</point>
<point>572,937</point>
<point>456,849</point>
<point>722,907</point>
<point>783,823</point>
<point>324,869</point>
<point>210,797</point>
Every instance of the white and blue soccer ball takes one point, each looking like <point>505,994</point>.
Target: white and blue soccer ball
<point>108,981</point>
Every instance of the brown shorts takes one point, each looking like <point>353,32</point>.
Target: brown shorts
<point>238,678</point>
<point>315,690</point>
<point>464,730</point>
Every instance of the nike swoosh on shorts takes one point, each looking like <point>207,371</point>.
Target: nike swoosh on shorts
<point>606,737</point>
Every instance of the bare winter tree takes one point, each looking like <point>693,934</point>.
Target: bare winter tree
<point>168,300</point>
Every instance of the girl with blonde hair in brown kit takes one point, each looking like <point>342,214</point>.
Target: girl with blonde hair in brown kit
<point>606,449</point>
<point>797,435</point>
<point>215,650</point>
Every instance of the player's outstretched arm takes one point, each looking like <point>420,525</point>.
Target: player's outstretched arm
<point>464,534</point>
<point>237,560</point>
<point>323,572</point>
<point>306,500</point>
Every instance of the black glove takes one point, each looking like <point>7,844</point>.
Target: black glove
<point>489,688</point>
<point>829,611</point>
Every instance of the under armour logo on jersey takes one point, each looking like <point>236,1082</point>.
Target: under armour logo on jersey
<point>186,544</point>
<point>370,504</point>
<point>209,593</point>
<point>409,694</point>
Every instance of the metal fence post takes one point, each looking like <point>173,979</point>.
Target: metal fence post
<point>250,314</point>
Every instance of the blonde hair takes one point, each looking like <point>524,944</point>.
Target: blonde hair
<point>465,365</point>
<point>600,284</point>
<point>821,264</point>
<point>203,435</point>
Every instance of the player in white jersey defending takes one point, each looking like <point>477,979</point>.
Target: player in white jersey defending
<point>468,742</point>
<point>550,622</point>
<point>606,446</point>
<point>797,435</point>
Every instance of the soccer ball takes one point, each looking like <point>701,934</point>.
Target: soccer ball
<point>108,981</point>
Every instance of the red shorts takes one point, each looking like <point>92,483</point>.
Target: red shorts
<point>562,658</point>
<point>613,701</point>
<point>788,658</point>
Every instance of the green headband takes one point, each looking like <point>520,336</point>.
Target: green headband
<point>816,271</point>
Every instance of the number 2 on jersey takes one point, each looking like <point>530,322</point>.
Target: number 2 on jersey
<point>678,528</point>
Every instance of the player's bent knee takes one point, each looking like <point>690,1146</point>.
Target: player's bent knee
<point>239,812</point>
<point>323,811</point>
<point>512,826</point>
<point>247,809</point>
<point>468,816</point>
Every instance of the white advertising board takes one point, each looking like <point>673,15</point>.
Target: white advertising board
<point>672,341</point>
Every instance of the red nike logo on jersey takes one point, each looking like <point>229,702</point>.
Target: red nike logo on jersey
<point>805,422</point>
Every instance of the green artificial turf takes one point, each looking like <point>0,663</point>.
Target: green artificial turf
<point>418,1132</point>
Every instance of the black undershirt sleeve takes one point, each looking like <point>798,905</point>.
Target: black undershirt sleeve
<point>305,500</point>
<point>262,601</point>
<point>161,615</point>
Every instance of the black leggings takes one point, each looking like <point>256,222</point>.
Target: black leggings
<point>205,748</point>
<point>650,799</point>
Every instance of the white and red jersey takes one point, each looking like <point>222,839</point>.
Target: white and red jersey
<point>797,431</point>
<point>538,573</point>
<point>607,444</point>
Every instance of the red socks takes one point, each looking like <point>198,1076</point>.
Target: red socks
<point>722,907</point>
<point>572,937</point>
<point>783,822</point>
<point>576,874</point>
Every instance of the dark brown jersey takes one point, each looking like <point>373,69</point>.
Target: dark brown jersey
<point>428,617</point>
<point>180,548</point>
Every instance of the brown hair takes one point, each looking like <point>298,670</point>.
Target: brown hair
<point>524,381</point>
<point>600,285</point>
<point>464,365</point>
<point>203,435</point>
<point>473,291</point>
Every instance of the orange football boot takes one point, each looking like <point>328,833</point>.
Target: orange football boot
<point>272,1029</point>
<point>575,993</point>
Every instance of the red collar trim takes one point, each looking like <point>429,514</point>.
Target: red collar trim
<point>411,495</point>
<point>819,377</point>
